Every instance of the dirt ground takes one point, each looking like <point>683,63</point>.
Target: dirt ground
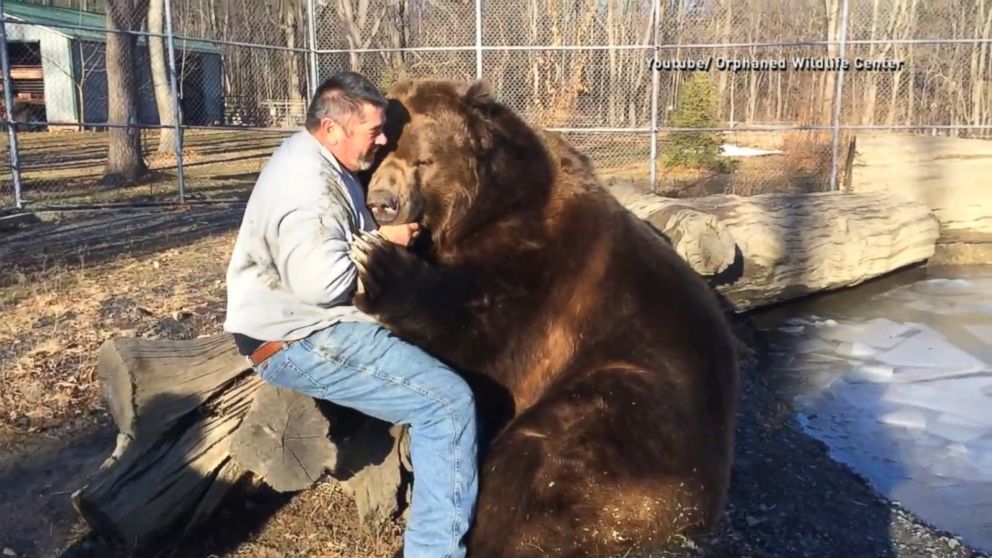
<point>67,286</point>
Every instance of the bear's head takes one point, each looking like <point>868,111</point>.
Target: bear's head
<point>456,160</point>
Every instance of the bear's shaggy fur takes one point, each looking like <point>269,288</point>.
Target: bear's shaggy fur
<point>603,365</point>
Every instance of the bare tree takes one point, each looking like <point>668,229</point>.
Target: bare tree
<point>397,31</point>
<point>160,77</point>
<point>124,159</point>
<point>983,27</point>
<point>938,83</point>
<point>287,21</point>
<point>361,25</point>
<point>832,8</point>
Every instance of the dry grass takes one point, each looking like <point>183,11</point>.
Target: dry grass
<point>56,319</point>
<point>802,167</point>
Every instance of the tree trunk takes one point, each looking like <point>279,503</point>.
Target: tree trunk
<point>612,118</point>
<point>979,83</point>
<point>292,57</point>
<point>830,77</point>
<point>125,163</point>
<point>398,34</point>
<point>792,245</point>
<point>868,113</point>
<point>721,87</point>
<point>160,77</point>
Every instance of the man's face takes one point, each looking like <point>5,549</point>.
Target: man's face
<point>356,140</point>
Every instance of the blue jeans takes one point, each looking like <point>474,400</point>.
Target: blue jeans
<point>365,367</point>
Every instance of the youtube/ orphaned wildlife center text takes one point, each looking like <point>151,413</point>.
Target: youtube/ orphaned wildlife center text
<point>777,64</point>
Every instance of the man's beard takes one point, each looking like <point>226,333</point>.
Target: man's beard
<point>366,161</point>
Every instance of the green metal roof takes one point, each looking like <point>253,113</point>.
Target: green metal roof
<point>60,20</point>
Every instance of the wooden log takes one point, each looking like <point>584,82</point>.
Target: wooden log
<point>791,245</point>
<point>698,237</point>
<point>176,404</point>
<point>194,419</point>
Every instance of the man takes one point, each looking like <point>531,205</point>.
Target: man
<point>290,282</point>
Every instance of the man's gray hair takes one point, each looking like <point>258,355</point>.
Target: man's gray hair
<point>341,96</point>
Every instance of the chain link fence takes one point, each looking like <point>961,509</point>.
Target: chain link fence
<point>685,98</point>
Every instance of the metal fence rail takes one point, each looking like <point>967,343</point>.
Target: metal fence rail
<point>610,77</point>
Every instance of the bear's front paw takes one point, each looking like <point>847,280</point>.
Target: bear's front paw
<point>382,265</point>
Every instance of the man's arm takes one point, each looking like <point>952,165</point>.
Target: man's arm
<point>313,256</point>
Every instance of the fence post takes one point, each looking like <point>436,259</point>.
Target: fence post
<point>8,98</point>
<point>176,109</point>
<point>655,10</point>
<point>838,99</point>
<point>313,48</point>
<point>478,39</point>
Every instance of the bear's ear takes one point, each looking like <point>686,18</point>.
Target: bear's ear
<point>478,95</point>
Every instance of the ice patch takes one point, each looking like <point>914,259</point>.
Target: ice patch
<point>879,333</point>
<point>949,428</point>
<point>812,346</point>
<point>927,347</point>
<point>878,373</point>
<point>942,287</point>
<point>905,418</point>
<point>907,402</point>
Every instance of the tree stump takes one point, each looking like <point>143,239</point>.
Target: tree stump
<point>194,419</point>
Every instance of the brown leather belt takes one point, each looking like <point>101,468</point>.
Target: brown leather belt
<point>266,350</point>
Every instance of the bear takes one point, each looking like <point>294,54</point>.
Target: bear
<point>604,368</point>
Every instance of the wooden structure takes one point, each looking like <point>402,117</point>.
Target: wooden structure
<point>194,418</point>
<point>27,84</point>
<point>68,48</point>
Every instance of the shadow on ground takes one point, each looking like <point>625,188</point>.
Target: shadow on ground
<point>93,237</point>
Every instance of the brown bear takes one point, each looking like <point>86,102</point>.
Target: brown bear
<point>604,367</point>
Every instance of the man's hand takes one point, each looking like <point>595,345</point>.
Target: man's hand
<point>400,234</point>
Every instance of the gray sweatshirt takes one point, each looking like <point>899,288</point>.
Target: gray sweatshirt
<point>290,273</point>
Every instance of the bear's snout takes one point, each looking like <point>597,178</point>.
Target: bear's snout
<point>393,195</point>
<point>384,206</point>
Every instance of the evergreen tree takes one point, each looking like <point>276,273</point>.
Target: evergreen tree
<point>696,109</point>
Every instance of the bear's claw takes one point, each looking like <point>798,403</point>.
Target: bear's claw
<point>371,273</point>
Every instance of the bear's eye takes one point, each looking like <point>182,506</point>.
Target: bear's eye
<point>422,162</point>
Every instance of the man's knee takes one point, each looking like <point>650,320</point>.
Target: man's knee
<point>458,391</point>
<point>459,399</point>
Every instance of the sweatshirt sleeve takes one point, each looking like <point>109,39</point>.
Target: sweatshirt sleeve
<point>313,256</point>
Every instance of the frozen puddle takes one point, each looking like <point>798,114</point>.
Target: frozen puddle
<point>900,388</point>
